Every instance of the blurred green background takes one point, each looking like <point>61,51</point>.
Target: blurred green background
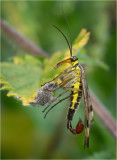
<point>25,134</point>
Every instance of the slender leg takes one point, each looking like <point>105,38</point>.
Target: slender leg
<point>55,105</point>
<point>58,103</point>
<point>62,93</point>
<point>66,81</point>
<point>55,100</point>
<point>79,127</point>
<point>61,74</point>
<point>67,89</point>
<point>71,89</point>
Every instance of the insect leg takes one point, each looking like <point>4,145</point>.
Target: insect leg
<point>55,99</point>
<point>61,74</point>
<point>79,127</point>
<point>58,103</point>
<point>55,105</point>
<point>71,89</point>
<point>65,81</point>
<point>66,90</point>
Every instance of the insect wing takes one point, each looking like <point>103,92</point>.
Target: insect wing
<point>88,110</point>
<point>69,79</point>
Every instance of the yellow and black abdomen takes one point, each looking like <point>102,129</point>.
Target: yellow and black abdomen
<point>75,97</point>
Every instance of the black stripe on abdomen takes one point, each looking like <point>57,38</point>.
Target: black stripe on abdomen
<point>70,114</point>
<point>72,111</point>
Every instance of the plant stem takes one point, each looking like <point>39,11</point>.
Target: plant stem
<point>21,40</point>
<point>104,115</point>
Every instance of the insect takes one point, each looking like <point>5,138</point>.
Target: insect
<point>72,79</point>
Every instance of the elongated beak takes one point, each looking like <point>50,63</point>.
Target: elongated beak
<point>69,60</point>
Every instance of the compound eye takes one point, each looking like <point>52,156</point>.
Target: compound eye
<point>75,58</point>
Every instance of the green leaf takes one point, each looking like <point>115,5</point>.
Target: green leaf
<point>22,77</point>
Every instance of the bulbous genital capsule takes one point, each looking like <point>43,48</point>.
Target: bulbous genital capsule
<point>45,94</point>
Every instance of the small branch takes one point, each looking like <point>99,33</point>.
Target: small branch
<point>21,40</point>
<point>104,115</point>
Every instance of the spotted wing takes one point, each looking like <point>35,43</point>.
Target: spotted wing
<point>66,78</point>
<point>88,110</point>
<point>69,79</point>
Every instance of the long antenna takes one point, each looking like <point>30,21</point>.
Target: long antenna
<point>64,37</point>
<point>69,31</point>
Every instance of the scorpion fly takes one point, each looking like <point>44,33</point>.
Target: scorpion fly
<point>72,79</point>
<point>78,86</point>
